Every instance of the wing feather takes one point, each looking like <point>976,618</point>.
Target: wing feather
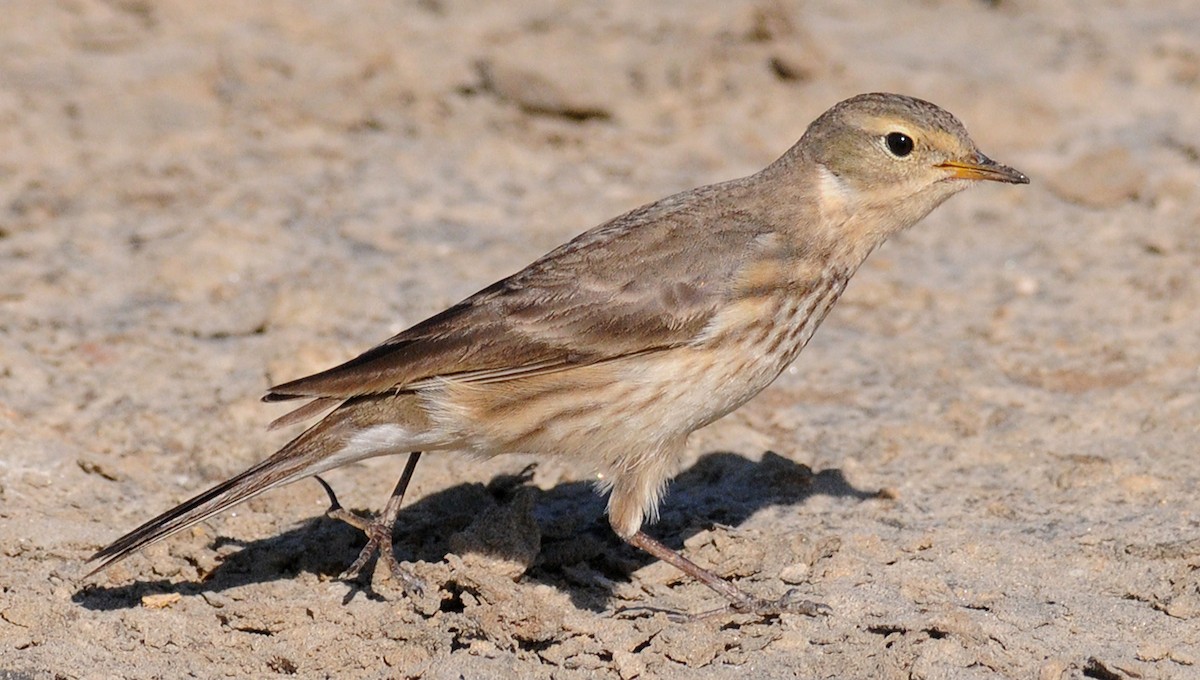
<point>638,283</point>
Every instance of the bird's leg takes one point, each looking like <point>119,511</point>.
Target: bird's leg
<point>379,530</point>
<point>739,600</point>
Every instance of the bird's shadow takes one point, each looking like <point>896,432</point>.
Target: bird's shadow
<point>578,551</point>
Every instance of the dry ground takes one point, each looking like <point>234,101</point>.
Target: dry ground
<point>985,463</point>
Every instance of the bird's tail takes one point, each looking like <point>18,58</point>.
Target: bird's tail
<point>312,452</point>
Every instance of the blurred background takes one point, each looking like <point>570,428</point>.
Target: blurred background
<point>198,200</point>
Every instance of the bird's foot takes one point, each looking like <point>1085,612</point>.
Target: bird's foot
<point>740,602</point>
<point>790,603</point>
<point>379,541</point>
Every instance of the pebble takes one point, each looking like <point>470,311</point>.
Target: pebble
<point>1099,179</point>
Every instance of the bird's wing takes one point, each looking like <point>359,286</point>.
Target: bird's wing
<point>642,282</point>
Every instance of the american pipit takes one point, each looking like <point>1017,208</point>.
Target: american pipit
<point>616,346</point>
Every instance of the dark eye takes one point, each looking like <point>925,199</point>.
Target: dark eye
<point>899,144</point>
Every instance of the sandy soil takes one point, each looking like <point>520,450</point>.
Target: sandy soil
<point>985,463</point>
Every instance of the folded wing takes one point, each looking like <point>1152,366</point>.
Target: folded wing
<point>590,300</point>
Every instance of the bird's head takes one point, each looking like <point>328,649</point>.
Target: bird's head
<point>894,157</point>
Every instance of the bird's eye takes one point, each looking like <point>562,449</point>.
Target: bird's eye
<point>899,144</point>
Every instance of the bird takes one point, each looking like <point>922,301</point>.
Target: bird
<point>614,347</point>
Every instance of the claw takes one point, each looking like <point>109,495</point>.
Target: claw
<point>333,501</point>
<point>379,542</point>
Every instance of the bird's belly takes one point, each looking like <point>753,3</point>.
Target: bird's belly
<point>610,410</point>
<point>599,412</point>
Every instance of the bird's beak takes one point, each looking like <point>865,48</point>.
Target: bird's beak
<point>984,168</point>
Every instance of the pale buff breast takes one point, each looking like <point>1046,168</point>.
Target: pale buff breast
<point>618,411</point>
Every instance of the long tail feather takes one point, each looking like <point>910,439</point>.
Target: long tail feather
<point>306,455</point>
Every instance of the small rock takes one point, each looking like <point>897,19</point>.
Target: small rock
<point>1100,179</point>
<point>1152,651</point>
<point>538,92</point>
<point>794,574</point>
<point>1185,606</point>
<point>1182,658</point>
<point>795,62</point>
<point>160,600</point>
